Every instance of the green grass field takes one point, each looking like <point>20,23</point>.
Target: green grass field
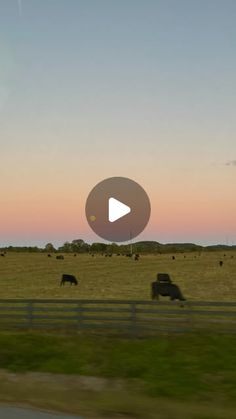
<point>169,377</point>
<point>29,275</point>
<point>179,377</point>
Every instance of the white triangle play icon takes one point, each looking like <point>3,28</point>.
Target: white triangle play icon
<point>116,209</point>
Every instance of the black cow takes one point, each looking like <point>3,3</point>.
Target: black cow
<point>173,257</point>
<point>164,286</point>
<point>60,257</point>
<point>137,256</point>
<point>2,254</point>
<point>221,262</point>
<point>49,256</point>
<point>69,278</point>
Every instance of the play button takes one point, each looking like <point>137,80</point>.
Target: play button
<point>118,209</point>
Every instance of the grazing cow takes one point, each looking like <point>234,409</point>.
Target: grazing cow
<point>69,278</point>
<point>173,257</point>
<point>164,286</point>
<point>49,256</point>
<point>2,254</point>
<point>75,255</point>
<point>136,257</point>
<point>221,262</point>
<point>60,257</point>
<point>129,255</point>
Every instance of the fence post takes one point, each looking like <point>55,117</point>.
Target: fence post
<point>133,319</point>
<point>191,321</point>
<point>30,308</point>
<point>79,315</point>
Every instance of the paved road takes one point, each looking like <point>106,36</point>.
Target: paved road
<point>18,413</point>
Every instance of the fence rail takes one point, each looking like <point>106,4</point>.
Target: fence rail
<point>125,316</point>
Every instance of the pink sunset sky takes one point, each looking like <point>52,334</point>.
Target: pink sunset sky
<point>120,89</point>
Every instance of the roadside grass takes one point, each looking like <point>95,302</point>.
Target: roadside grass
<point>172,377</point>
<point>195,367</point>
<point>26,391</point>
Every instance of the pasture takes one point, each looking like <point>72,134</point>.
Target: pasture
<point>175,376</point>
<point>34,275</point>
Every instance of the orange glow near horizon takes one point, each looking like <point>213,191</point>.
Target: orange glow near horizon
<point>171,216</point>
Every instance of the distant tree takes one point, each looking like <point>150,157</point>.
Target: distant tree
<point>66,248</point>
<point>78,242</point>
<point>98,247</point>
<point>49,248</point>
<point>32,249</point>
<point>113,248</point>
<point>79,246</point>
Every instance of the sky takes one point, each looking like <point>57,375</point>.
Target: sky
<point>93,89</point>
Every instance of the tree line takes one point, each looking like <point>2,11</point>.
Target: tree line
<point>80,246</point>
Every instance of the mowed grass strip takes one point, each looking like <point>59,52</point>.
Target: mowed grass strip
<point>29,275</point>
<point>195,367</point>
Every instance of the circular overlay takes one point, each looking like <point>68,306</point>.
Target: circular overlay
<point>118,209</point>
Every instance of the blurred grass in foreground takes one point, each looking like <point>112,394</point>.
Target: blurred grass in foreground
<point>195,367</point>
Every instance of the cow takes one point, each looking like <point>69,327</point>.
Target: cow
<point>3,255</point>
<point>60,257</point>
<point>49,256</point>
<point>173,257</point>
<point>68,278</point>
<point>221,262</point>
<point>164,286</point>
<point>137,256</point>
